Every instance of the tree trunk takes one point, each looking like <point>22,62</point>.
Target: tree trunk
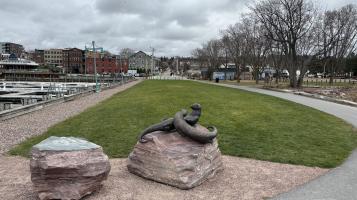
<point>209,75</point>
<point>293,66</point>
<point>292,77</point>
<point>238,72</point>
<point>332,74</point>
<point>300,81</point>
<point>256,76</point>
<point>301,77</point>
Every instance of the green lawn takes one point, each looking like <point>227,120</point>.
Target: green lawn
<point>249,125</point>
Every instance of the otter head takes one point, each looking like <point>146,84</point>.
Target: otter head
<point>196,106</point>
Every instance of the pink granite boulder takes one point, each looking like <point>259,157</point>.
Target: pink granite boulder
<point>67,168</point>
<point>175,160</point>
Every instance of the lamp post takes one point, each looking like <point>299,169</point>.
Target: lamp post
<point>95,67</point>
<point>152,62</point>
<point>85,61</point>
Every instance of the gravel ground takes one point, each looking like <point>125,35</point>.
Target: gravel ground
<point>16,130</point>
<point>349,94</point>
<point>241,179</point>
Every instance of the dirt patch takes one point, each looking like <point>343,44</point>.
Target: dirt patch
<point>241,179</point>
<point>349,94</point>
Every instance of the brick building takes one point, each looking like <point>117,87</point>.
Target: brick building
<point>123,64</point>
<point>37,56</point>
<point>11,48</point>
<point>106,64</point>
<point>73,60</point>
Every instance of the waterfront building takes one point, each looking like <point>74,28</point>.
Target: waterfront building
<point>11,48</point>
<point>53,57</point>
<point>73,60</point>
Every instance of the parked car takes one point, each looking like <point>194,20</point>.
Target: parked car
<point>285,75</point>
<point>319,75</point>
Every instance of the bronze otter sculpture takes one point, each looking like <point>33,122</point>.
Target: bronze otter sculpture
<point>185,124</point>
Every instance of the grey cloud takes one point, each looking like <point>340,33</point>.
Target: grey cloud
<point>185,12</point>
<point>14,6</point>
<point>143,7</point>
<point>173,27</point>
<point>96,28</point>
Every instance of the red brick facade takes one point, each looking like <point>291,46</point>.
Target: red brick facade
<point>123,64</point>
<point>106,64</point>
<point>73,60</point>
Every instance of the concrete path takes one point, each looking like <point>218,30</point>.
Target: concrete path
<point>339,183</point>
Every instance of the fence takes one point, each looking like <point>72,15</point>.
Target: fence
<point>166,78</point>
<point>23,101</point>
<point>325,82</point>
<point>312,82</point>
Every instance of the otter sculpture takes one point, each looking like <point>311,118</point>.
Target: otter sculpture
<point>185,124</point>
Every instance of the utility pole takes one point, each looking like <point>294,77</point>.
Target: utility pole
<point>177,65</point>
<point>95,67</point>
<point>85,61</point>
<point>152,61</point>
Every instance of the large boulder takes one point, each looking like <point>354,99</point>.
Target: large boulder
<point>67,168</point>
<point>176,160</point>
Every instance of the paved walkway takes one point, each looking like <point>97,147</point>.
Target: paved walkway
<point>339,183</point>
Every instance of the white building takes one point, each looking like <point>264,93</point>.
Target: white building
<point>17,64</point>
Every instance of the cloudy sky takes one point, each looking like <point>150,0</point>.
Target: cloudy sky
<point>172,27</point>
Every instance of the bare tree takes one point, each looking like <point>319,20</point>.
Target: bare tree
<point>276,58</point>
<point>232,42</point>
<point>255,45</point>
<point>307,49</point>
<point>163,64</point>
<point>286,22</point>
<point>211,54</point>
<point>200,55</point>
<point>339,27</point>
<point>247,45</point>
<point>285,33</point>
<point>126,52</point>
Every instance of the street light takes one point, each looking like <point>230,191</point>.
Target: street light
<point>95,67</point>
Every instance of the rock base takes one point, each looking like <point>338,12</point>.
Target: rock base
<point>175,160</point>
<point>65,170</point>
